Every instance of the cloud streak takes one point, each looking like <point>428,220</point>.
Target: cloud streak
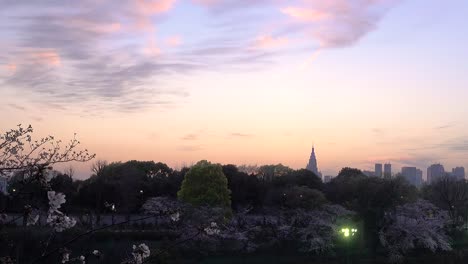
<point>100,56</point>
<point>240,135</point>
<point>338,23</point>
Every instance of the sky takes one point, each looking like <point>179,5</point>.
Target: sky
<point>241,81</point>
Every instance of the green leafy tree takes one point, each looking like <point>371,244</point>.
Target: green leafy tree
<point>205,184</point>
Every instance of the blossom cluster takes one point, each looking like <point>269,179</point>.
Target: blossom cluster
<point>140,253</point>
<point>66,258</point>
<point>414,225</point>
<point>55,218</point>
<point>175,217</point>
<point>212,229</point>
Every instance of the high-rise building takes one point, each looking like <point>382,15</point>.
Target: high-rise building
<point>387,170</point>
<point>312,165</point>
<point>419,175</point>
<point>378,169</point>
<point>412,175</point>
<point>459,173</point>
<point>435,172</point>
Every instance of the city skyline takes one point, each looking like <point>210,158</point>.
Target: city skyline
<point>179,81</point>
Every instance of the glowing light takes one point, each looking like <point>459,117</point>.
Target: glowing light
<point>348,232</point>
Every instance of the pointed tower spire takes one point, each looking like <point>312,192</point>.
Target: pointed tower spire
<point>312,165</point>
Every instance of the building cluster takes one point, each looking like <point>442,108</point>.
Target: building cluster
<point>412,174</point>
<point>415,175</point>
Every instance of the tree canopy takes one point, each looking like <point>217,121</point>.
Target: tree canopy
<point>205,184</point>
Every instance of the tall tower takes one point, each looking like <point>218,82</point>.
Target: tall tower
<point>312,166</point>
<point>378,169</point>
<point>435,172</point>
<point>387,170</point>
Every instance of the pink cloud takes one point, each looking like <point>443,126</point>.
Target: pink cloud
<point>145,9</point>
<point>106,28</point>
<point>270,42</point>
<point>227,5</point>
<point>10,67</point>
<point>154,7</point>
<point>304,14</point>
<point>151,48</point>
<point>50,58</point>
<point>338,23</point>
<point>173,41</point>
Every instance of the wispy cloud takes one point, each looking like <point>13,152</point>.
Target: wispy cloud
<point>377,131</point>
<point>338,23</point>
<point>190,148</point>
<point>17,107</point>
<point>223,6</point>
<point>458,145</point>
<point>173,41</point>
<point>240,135</point>
<point>269,42</point>
<point>99,55</point>
<point>74,58</point>
<point>446,126</point>
<point>190,137</point>
<point>103,56</point>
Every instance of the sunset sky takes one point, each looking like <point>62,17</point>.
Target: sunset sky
<point>242,81</point>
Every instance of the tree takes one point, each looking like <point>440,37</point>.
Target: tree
<point>414,225</point>
<point>370,197</point>
<point>300,177</point>
<point>19,152</point>
<point>302,197</point>
<point>269,172</point>
<point>245,189</point>
<point>63,183</point>
<point>205,184</point>
<point>343,189</point>
<point>98,167</point>
<point>449,194</point>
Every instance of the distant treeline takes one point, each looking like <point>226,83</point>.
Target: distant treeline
<point>124,186</point>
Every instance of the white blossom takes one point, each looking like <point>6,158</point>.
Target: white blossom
<point>65,257</point>
<point>212,229</point>
<point>96,252</point>
<point>414,225</point>
<point>55,200</point>
<point>175,217</point>
<point>140,253</point>
<point>58,220</point>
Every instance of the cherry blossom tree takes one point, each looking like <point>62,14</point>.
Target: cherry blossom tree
<point>414,225</point>
<point>20,152</point>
